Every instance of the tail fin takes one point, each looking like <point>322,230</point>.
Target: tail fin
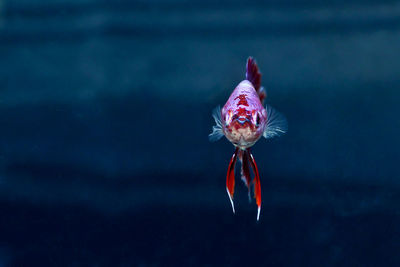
<point>244,158</point>
<point>254,76</point>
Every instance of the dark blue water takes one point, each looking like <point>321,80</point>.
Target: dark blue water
<point>105,108</point>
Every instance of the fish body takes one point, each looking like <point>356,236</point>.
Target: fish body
<point>243,120</point>
<point>244,116</point>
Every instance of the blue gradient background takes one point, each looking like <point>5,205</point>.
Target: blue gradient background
<point>105,108</point>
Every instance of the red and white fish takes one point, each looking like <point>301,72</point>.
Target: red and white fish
<point>243,120</point>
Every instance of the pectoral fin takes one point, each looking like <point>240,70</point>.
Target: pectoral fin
<point>217,129</point>
<point>276,123</point>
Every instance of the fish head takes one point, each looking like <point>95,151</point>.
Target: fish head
<point>243,126</point>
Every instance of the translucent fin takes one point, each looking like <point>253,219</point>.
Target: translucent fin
<point>246,172</point>
<point>276,123</point>
<point>231,200</point>
<point>217,132</point>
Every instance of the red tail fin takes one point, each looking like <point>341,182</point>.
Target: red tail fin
<point>254,76</point>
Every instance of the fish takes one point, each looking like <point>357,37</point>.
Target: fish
<point>243,120</point>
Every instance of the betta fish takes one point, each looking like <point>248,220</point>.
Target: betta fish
<point>243,120</point>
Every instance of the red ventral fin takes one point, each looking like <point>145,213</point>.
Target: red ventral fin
<point>230,178</point>
<point>257,184</point>
<point>252,73</point>
<point>246,171</point>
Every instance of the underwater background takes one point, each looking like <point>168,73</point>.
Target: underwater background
<point>105,111</point>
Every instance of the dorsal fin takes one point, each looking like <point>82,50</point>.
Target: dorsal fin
<point>253,75</point>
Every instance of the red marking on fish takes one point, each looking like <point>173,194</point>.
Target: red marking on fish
<point>242,100</point>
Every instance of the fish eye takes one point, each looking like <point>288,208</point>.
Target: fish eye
<point>256,119</point>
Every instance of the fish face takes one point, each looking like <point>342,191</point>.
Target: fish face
<point>243,116</point>
<point>243,127</point>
